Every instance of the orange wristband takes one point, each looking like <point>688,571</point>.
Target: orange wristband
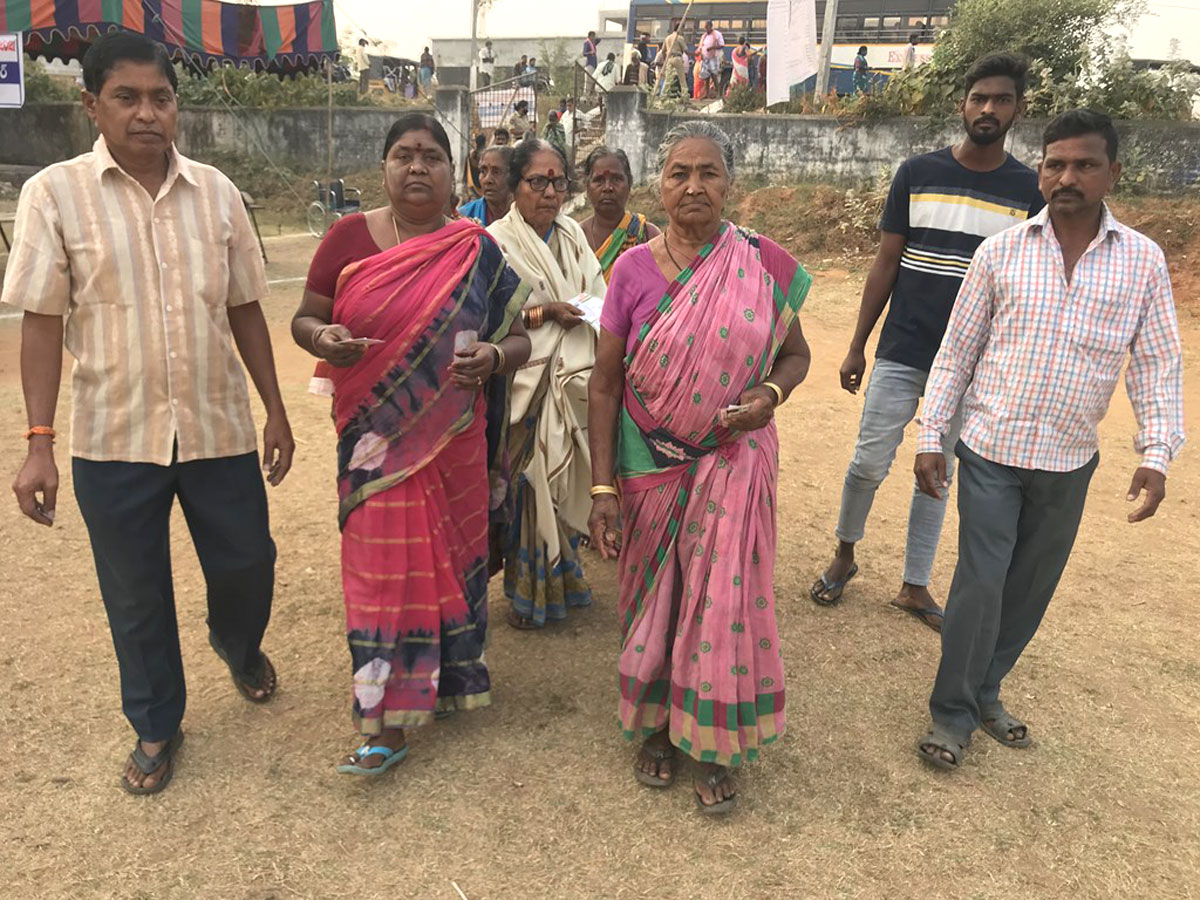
<point>40,431</point>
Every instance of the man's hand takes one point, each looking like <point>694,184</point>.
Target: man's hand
<point>39,475</point>
<point>278,448</point>
<point>1154,484</point>
<point>930,469</point>
<point>851,372</point>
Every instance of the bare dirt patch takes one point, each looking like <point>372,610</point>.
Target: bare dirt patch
<point>534,797</point>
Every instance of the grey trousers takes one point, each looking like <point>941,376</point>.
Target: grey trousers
<point>1015,534</point>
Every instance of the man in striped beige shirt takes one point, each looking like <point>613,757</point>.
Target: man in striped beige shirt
<point>145,262</point>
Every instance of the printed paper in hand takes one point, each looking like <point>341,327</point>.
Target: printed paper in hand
<point>589,307</point>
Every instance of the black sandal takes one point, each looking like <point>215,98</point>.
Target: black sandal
<point>829,593</point>
<point>148,765</point>
<point>721,807</point>
<point>656,755</point>
<point>264,679</point>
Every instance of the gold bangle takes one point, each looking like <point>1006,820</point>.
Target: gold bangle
<point>604,490</point>
<point>501,359</point>
<point>777,389</point>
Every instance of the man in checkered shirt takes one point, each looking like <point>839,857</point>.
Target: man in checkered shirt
<point>1048,314</point>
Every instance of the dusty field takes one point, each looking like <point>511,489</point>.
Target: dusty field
<point>533,798</point>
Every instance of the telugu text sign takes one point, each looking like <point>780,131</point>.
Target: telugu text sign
<point>12,71</point>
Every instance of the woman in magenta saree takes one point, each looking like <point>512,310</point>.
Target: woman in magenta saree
<point>420,425</point>
<point>700,667</point>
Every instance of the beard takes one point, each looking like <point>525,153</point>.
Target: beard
<point>986,138</point>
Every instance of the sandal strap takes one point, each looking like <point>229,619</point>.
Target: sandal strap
<point>374,749</point>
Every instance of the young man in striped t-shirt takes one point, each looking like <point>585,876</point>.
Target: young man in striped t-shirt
<point>941,207</point>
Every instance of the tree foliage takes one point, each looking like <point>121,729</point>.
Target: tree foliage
<point>1075,62</point>
<point>41,87</point>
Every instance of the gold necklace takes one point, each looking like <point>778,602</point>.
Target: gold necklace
<point>395,227</point>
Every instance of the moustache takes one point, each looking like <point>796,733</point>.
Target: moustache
<point>987,120</point>
<point>1066,192</point>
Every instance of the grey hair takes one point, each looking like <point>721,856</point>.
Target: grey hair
<point>697,128</point>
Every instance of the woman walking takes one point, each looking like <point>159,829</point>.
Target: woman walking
<point>611,229</point>
<point>548,437</point>
<point>700,343</point>
<point>416,321</point>
<point>740,78</point>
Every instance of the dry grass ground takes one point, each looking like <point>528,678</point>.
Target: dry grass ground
<point>533,798</point>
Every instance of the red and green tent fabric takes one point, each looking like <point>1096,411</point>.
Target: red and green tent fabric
<point>282,39</point>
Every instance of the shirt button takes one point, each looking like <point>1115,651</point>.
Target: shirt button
<point>173,354</point>
<point>164,265</point>
<point>174,401</point>
<point>169,307</point>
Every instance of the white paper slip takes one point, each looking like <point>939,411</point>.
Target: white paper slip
<point>590,306</point>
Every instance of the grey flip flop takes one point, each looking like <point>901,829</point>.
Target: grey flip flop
<point>148,765</point>
<point>829,593</point>
<point>931,616</point>
<point>715,809</point>
<point>657,755</point>
<point>999,725</point>
<point>941,740</point>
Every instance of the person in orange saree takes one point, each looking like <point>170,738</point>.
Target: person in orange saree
<point>700,342</point>
<point>415,319</point>
<point>611,229</point>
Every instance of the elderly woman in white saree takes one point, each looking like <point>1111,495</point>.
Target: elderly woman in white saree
<point>548,435</point>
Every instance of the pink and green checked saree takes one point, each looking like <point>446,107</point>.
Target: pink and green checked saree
<point>700,651</point>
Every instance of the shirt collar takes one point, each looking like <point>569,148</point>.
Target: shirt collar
<point>178,165</point>
<point>1041,224</point>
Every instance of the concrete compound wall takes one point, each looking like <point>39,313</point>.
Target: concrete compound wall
<point>1164,155</point>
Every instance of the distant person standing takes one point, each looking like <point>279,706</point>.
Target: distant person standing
<point>518,68</point>
<point>144,261</point>
<point>362,62</point>
<point>518,123</point>
<point>712,54</point>
<point>910,51</point>
<point>487,64</point>
<point>529,79</point>
<point>1049,314</point>
<point>637,72</point>
<point>674,71</point>
<point>607,74</point>
<point>427,70</point>
<point>940,207</point>
<point>590,60</point>
<point>554,133</point>
<point>862,71</point>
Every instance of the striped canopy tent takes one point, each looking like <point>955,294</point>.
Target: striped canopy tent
<point>279,39</point>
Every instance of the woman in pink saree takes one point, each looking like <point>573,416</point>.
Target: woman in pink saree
<point>700,343</point>
<point>416,321</point>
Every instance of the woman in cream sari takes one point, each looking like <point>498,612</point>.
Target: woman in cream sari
<point>548,434</point>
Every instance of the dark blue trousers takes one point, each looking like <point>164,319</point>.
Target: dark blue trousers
<point>127,509</point>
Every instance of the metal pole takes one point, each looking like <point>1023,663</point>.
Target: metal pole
<point>472,80</point>
<point>329,118</point>
<point>825,63</point>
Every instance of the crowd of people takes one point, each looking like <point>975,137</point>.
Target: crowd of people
<point>511,386</point>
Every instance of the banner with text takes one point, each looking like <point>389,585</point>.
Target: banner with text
<point>791,46</point>
<point>12,72</point>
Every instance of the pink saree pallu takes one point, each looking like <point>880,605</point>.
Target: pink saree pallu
<point>700,648</point>
<point>418,467</point>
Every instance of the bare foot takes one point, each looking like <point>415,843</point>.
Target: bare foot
<point>392,738</point>
<point>135,777</point>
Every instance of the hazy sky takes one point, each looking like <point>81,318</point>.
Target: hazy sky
<point>410,25</point>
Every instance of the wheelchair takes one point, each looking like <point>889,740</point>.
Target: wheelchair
<point>332,202</point>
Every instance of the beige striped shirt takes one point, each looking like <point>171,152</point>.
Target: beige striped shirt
<point>144,284</point>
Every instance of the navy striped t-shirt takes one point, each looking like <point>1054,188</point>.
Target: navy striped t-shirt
<point>944,210</point>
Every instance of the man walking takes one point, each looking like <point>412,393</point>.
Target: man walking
<point>150,259</point>
<point>940,208</point>
<point>712,54</point>
<point>487,64</point>
<point>1048,314</point>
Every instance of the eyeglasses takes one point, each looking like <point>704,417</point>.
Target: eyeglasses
<point>539,183</point>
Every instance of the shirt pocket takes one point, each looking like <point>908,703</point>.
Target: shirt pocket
<point>99,278</point>
<point>1101,340</point>
<point>204,271</point>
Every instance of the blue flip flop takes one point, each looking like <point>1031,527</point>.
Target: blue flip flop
<point>391,758</point>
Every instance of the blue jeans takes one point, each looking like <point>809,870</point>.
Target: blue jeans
<point>890,403</point>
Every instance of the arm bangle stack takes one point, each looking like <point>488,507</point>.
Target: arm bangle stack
<point>534,316</point>
<point>501,359</point>
<point>603,490</point>
<point>777,389</point>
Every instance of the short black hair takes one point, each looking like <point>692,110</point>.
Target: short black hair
<point>123,46</point>
<point>500,131</point>
<point>612,56</point>
<point>480,141</point>
<point>418,122</point>
<point>913,38</point>
<point>521,104</point>
<point>523,156</point>
<point>862,49</point>
<point>1079,122</point>
<point>994,65</point>
<point>362,42</point>
<point>602,151</point>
